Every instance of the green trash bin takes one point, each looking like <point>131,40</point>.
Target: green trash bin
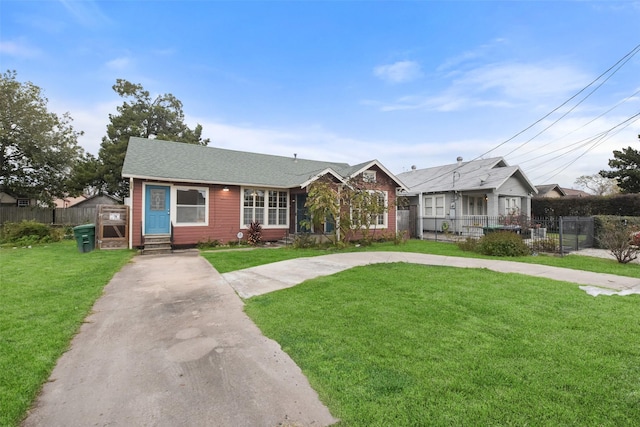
<point>85,237</point>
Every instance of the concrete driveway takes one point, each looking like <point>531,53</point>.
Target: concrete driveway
<point>169,345</point>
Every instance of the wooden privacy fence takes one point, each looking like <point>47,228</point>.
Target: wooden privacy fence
<point>57,216</point>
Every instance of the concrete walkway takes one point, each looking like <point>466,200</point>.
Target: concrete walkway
<point>169,345</point>
<point>268,278</point>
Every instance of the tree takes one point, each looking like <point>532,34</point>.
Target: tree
<point>354,206</point>
<point>598,185</point>
<point>142,116</point>
<point>627,169</point>
<point>38,149</point>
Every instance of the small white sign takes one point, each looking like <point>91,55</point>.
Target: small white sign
<point>114,217</point>
<point>240,235</point>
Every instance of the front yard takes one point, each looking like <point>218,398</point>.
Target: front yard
<point>393,344</point>
<point>407,345</point>
<point>402,344</point>
<point>45,294</point>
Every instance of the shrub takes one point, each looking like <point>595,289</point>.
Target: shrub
<point>304,240</point>
<point>29,232</point>
<point>621,239</point>
<point>255,233</point>
<point>208,244</point>
<point>469,244</point>
<point>503,243</point>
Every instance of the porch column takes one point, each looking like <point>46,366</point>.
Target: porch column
<point>419,215</point>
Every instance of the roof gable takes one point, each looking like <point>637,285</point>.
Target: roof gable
<point>479,174</point>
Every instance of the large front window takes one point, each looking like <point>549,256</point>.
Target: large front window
<point>191,206</point>
<point>268,207</point>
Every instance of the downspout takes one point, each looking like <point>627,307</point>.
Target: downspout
<point>131,213</point>
<point>419,215</point>
<point>338,218</point>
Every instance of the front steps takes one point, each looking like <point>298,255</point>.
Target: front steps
<point>157,244</point>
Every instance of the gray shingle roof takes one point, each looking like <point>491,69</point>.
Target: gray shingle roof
<point>479,174</point>
<point>166,160</point>
<point>546,188</point>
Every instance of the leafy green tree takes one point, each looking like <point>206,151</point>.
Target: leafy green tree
<point>626,165</point>
<point>142,116</point>
<point>38,149</point>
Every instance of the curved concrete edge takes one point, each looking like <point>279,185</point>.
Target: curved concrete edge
<point>285,274</point>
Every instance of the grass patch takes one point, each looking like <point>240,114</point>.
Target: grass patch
<point>226,261</point>
<point>45,293</point>
<point>402,344</point>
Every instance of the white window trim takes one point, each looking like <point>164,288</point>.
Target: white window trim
<point>511,205</point>
<point>385,213</point>
<point>434,205</point>
<point>266,207</point>
<point>174,206</point>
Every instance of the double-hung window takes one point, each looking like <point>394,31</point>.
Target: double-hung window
<point>434,206</point>
<point>372,211</point>
<point>278,208</point>
<point>511,205</point>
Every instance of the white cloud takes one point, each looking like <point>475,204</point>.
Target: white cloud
<point>119,63</point>
<point>18,48</point>
<point>90,119</point>
<point>398,72</point>
<point>86,12</point>
<point>503,85</point>
<point>524,81</point>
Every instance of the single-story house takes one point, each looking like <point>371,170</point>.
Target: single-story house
<point>68,201</point>
<point>464,197</point>
<point>553,191</point>
<point>97,199</point>
<point>570,192</point>
<point>10,199</point>
<point>196,193</point>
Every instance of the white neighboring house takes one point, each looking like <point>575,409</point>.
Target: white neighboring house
<point>464,196</point>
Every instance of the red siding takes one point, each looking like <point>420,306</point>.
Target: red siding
<point>224,218</point>
<point>224,215</point>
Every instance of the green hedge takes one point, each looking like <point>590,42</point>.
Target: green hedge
<point>626,205</point>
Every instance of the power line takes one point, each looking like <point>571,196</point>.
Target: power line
<point>624,59</point>
<point>621,62</point>
<point>602,138</point>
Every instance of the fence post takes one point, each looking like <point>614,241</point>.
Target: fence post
<point>561,232</point>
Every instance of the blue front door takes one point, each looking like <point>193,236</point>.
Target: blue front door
<point>156,210</point>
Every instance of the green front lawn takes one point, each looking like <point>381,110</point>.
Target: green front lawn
<point>45,293</point>
<point>405,345</point>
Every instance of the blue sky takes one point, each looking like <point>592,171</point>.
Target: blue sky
<point>405,82</point>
